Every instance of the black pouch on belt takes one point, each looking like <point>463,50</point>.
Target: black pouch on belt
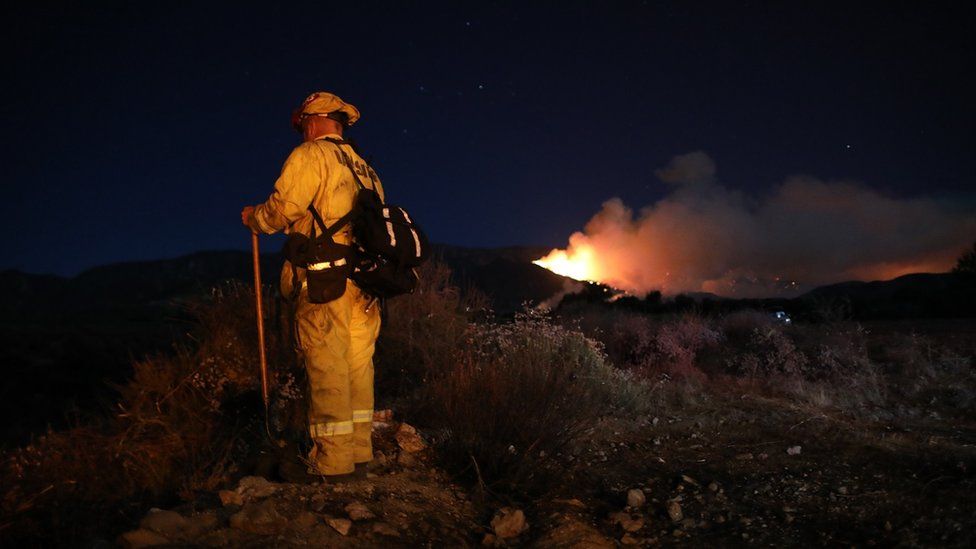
<point>327,264</point>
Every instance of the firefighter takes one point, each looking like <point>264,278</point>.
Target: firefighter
<point>337,339</point>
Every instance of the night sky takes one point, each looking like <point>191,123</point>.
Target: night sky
<point>139,131</point>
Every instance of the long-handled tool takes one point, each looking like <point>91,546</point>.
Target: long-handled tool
<point>260,314</point>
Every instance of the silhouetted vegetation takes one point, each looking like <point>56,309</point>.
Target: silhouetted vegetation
<point>504,402</point>
<point>966,264</point>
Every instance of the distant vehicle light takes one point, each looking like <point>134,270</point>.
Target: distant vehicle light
<point>781,316</point>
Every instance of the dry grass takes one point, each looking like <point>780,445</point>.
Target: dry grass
<point>181,426</point>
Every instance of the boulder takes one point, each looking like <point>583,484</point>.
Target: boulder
<point>340,525</point>
<point>509,523</point>
<point>255,488</point>
<point>408,439</point>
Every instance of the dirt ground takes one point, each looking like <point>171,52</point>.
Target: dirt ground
<point>729,471</point>
<point>758,472</point>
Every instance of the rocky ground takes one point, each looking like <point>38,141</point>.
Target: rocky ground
<point>739,471</point>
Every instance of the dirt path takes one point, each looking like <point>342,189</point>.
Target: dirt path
<point>762,473</point>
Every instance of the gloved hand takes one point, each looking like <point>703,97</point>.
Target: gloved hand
<point>247,217</point>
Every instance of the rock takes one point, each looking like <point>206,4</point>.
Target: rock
<point>259,518</point>
<point>571,503</point>
<point>689,480</point>
<point>304,521</point>
<point>674,511</point>
<point>842,490</point>
<point>406,459</point>
<point>489,540</point>
<point>340,525</point>
<point>408,439</point>
<point>357,511</point>
<point>636,498</point>
<point>793,450</point>
<point>201,523</point>
<point>255,488</point>
<point>509,523</point>
<point>385,529</point>
<point>230,497</point>
<point>573,533</point>
<point>712,487</point>
<point>168,523</point>
<point>142,538</point>
<point>744,457</point>
<point>628,539</point>
<point>317,501</point>
<point>379,461</point>
<point>627,521</point>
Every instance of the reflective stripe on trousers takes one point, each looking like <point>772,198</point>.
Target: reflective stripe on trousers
<point>331,429</point>
<point>362,416</point>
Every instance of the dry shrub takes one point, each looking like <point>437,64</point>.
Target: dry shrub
<point>738,327</point>
<point>423,331</point>
<point>825,365</point>
<point>653,348</point>
<point>182,424</point>
<point>516,393</point>
<point>766,353</point>
<point>677,345</point>
<point>934,377</point>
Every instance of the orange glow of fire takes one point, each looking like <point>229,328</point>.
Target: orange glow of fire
<point>579,262</point>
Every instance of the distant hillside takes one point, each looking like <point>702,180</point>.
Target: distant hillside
<point>922,295</point>
<point>506,275</point>
<point>123,287</point>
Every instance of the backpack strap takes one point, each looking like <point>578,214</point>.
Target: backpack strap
<point>328,231</point>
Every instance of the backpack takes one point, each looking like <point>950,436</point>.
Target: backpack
<point>390,244</point>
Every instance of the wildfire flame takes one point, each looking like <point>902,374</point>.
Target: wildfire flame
<point>579,263</point>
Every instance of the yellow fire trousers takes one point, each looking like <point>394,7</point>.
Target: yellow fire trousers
<point>338,340</point>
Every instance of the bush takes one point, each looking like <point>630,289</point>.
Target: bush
<point>183,424</point>
<point>766,353</point>
<point>517,393</point>
<point>423,331</point>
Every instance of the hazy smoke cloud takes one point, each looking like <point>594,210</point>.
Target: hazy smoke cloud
<point>806,232</point>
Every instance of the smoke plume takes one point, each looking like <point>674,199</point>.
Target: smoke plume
<point>805,232</point>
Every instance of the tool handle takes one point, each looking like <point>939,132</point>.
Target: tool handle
<point>259,305</point>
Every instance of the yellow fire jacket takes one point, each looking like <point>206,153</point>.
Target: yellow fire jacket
<point>314,173</point>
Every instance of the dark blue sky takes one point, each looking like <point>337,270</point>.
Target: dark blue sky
<point>139,131</point>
